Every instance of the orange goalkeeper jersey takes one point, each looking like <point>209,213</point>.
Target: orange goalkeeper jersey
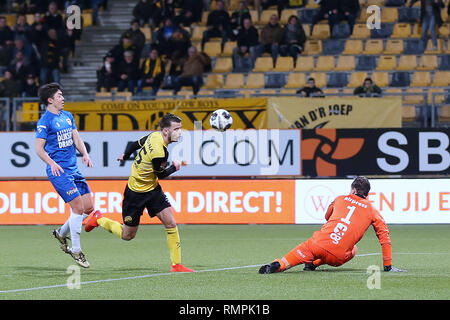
<point>348,218</point>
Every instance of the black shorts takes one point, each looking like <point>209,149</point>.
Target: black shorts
<point>134,204</point>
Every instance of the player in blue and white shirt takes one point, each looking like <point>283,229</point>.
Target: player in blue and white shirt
<point>57,140</point>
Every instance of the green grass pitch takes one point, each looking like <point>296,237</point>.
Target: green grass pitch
<point>227,257</point>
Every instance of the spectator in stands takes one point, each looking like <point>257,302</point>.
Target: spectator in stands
<point>167,10</point>
<point>50,57</point>
<point>195,6</point>
<point>38,31</point>
<point>310,90</point>
<point>348,10</point>
<point>294,38</point>
<point>237,18</point>
<point>124,45</point>
<point>145,11</point>
<point>193,68</point>
<point>272,36</point>
<point>218,24</point>
<point>95,4</point>
<point>19,68</point>
<point>163,35</point>
<point>6,34</point>
<point>368,89</point>
<point>247,44</point>
<point>68,40</point>
<point>179,44</point>
<point>22,29</point>
<point>128,73</point>
<point>430,17</point>
<point>137,36</point>
<point>281,4</point>
<point>152,73</point>
<point>29,87</point>
<point>53,20</point>
<point>185,18</point>
<point>329,10</point>
<point>107,75</point>
<point>9,87</point>
<point>26,50</point>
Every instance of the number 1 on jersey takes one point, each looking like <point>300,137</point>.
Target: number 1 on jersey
<point>351,209</point>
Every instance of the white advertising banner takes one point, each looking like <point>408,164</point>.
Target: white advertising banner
<point>205,153</point>
<point>400,201</point>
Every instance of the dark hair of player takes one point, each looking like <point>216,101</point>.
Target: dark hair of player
<point>362,186</point>
<point>167,120</point>
<point>48,91</point>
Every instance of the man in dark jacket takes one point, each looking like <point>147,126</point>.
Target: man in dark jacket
<point>107,75</point>
<point>348,10</point>
<point>218,24</point>
<point>310,89</point>
<point>430,17</point>
<point>329,10</point>
<point>368,89</point>
<point>51,53</point>
<point>294,38</point>
<point>128,73</point>
<point>145,11</point>
<point>247,44</point>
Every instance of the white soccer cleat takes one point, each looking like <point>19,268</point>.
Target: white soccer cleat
<point>80,259</point>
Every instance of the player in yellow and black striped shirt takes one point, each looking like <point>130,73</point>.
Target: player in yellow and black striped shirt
<point>143,190</point>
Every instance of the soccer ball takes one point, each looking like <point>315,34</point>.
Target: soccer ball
<point>221,120</point>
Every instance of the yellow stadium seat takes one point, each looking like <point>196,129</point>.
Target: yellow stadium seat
<point>223,65</point>
<point>284,64</point>
<point>320,78</point>
<point>268,91</point>
<point>263,64</point>
<point>321,31</point>
<point>288,91</point>
<point>360,31</point>
<point>348,91</point>
<point>444,115</point>
<point>387,63</point>
<point>197,33</point>
<point>379,3</point>
<point>163,93</point>
<point>213,48</point>
<point>406,63</point>
<point>228,48</point>
<point>124,95</point>
<point>312,5</point>
<point>428,62</point>
<point>255,81</point>
<point>306,28</point>
<point>265,16</point>
<point>381,79</point>
<point>416,31</point>
<point>373,46</point>
<point>438,94</point>
<point>103,96</point>
<point>204,18</point>
<point>394,46</point>
<point>429,48</point>
<point>324,63</point>
<point>87,19</point>
<point>401,30</point>
<point>416,98</point>
<point>304,64</point>
<point>330,91</point>
<point>357,79</point>
<point>444,31</point>
<point>393,92</point>
<point>346,63</point>
<point>421,79</point>
<point>441,79</point>
<point>313,47</point>
<point>389,14</point>
<point>296,80</point>
<point>353,47</point>
<point>363,14</point>
<point>286,13</point>
<point>409,113</point>
<point>234,81</point>
<point>254,15</point>
<point>213,81</point>
<point>205,92</point>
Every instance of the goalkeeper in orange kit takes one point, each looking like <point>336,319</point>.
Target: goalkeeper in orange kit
<point>348,218</point>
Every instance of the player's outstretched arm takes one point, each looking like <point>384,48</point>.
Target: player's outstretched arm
<point>130,148</point>
<point>56,169</point>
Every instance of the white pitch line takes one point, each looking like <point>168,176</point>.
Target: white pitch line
<point>127,278</point>
<point>172,273</point>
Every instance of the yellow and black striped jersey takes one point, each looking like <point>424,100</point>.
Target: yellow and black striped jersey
<point>149,163</point>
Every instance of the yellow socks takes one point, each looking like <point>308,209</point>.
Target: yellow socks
<point>173,242</point>
<point>112,226</point>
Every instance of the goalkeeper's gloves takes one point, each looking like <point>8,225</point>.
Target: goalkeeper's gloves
<point>392,269</point>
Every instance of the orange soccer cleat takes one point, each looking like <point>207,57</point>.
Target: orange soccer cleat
<point>91,222</point>
<point>180,268</point>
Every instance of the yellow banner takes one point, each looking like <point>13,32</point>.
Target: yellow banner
<point>334,112</point>
<point>145,115</point>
